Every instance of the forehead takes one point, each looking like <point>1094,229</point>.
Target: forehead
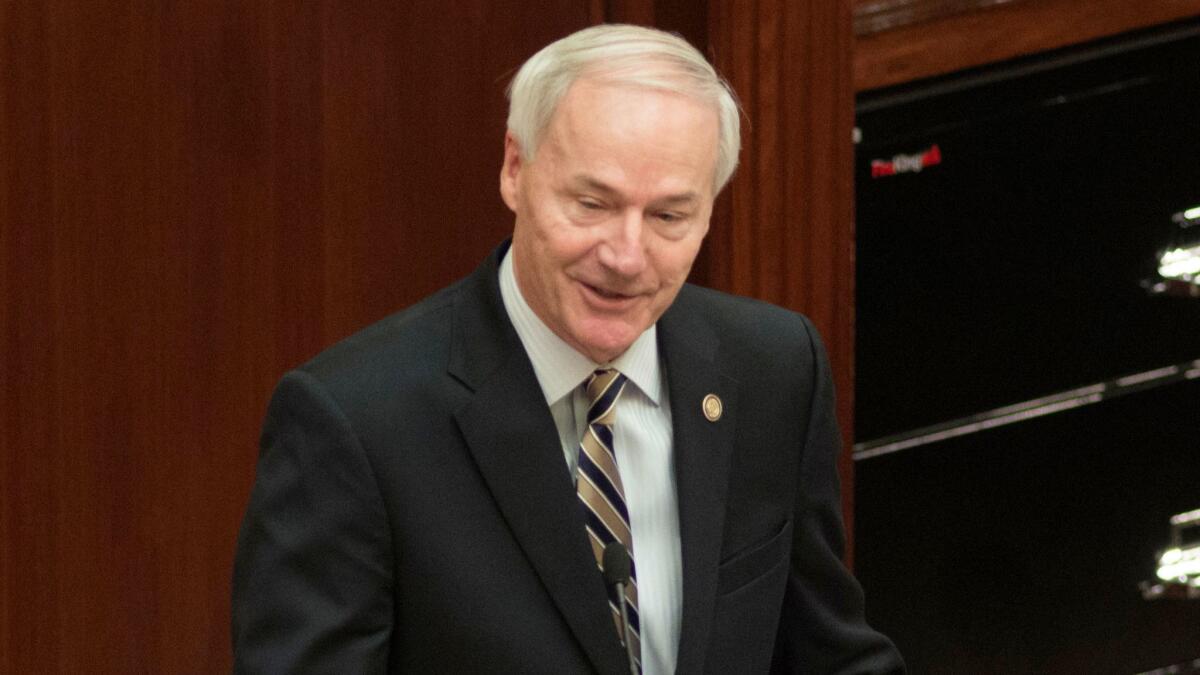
<point>633,130</point>
<point>591,97</point>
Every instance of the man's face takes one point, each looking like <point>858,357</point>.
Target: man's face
<point>611,212</point>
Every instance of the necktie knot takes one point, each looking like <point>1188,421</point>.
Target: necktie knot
<point>604,386</point>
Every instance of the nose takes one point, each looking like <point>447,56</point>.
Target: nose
<point>623,250</point>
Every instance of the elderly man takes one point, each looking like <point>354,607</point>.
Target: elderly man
<point>440,492</point>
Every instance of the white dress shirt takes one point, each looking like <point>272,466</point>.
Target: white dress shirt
<point>643,439</point>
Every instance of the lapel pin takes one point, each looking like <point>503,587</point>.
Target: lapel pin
<point>712,407</point>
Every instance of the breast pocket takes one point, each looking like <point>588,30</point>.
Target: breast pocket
<point>755,561</point>
<point>750,588</point>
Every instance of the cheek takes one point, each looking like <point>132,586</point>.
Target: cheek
<point>556,234</point>
<point>558,263</point>
<point>571,250</point>
<point>674,266</point>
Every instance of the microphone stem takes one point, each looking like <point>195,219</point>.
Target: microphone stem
<point>628,630</point>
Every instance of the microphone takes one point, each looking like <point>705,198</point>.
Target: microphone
<point>616,567</point>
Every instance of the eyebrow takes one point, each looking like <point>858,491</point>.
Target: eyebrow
<point>590,183</point>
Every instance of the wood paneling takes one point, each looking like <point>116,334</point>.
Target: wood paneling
<point>639,12</point>
<point>873,16</point>
<point>961,40</point>
<point>784,232</point>
<point>688,18</point>
<point>193,198</point>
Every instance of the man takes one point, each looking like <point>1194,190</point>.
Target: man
<point>424,501</point>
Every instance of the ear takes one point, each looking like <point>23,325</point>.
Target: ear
<point>510,171</point>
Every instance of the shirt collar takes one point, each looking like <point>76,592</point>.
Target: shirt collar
<point>558,366</point>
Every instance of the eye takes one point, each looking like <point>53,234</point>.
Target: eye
<point>669,216</point>
<point>590,204</point>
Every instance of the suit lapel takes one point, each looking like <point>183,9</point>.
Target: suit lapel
<point>511,434</point>
<point>703,449</point>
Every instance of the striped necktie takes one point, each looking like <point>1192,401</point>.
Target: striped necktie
<point>599,487</point>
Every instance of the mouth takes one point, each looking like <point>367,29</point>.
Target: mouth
<point>607,298</point>
<point>612,295</point>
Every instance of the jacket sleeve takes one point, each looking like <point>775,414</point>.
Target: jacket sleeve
<point>312,588</point>
<point>822,626</point>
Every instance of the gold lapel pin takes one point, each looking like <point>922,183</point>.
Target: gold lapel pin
<point>712,407</point>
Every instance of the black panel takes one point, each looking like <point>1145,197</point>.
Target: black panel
<point>1020,550</point>
<point>1011,269</point>
<point>1008,269</point>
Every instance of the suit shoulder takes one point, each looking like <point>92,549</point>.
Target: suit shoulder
<point>750,321</point>
<point>402,344</point>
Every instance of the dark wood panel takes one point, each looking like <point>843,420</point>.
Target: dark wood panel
<point>873,16</point>
<point>639,12</point>
<point>964,39</point>
<point>688,18</point>
<point>194,197</point>
<point>784,232</point>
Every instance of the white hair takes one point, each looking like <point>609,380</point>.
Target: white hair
<point>622,55</point>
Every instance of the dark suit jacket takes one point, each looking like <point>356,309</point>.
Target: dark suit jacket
<point>412,511</point>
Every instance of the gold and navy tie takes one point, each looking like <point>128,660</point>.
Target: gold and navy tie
<point>600,491</point>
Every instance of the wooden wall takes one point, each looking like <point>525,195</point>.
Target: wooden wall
<point>787,233</point>
<point>196,196</point>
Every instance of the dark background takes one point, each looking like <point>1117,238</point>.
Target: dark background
<point>1011,271</point>
<point>1020,549</point>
